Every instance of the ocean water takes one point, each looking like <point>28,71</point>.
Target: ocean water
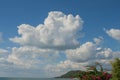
<point>36,79</point>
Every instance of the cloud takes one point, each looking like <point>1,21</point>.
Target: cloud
<point>25,59</point>
<point>31,57</point>
<point>2,51</point>
<point>103,57</point>
<point>105,53</point>
<point>114,33</point>
<point>59,31</point>
<point>68,65</point>
<point>116,54</point>
<point>98,40</point>
<point>83,53</point>
<point>63,67</point>
<point>41,47</point>
<point>3,54</point>
<point>46,60</point>
<point>87,54</point>
<point>90,51</point>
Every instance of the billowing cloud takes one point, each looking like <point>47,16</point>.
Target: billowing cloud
<point>46,60</point>
<point>57,32</point>
<point>83,53</point>
<point>114,33</point>
<point>27,57</point>
<point>105,53</point>
<point>86,54</point>
<point>53,47</point>
<point>89,51</point>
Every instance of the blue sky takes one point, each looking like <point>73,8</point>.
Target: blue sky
<point>23,41</point>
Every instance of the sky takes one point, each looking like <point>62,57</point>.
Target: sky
<point>47,38</point>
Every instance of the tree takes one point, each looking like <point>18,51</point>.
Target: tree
<point>116,69</point>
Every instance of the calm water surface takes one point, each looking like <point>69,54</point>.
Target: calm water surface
<point>36,79</point>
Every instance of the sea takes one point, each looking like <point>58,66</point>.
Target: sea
<point>5,78</point>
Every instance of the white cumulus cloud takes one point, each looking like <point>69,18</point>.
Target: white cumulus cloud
<point>57,32</point>
<point>27,57</point>
<point>83,53</point>
<point>103,56</point>
<point>40,47</point>
<point>90,52</point>
<point>114,33</point>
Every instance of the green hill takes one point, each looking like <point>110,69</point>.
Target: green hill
<point>71,74</point>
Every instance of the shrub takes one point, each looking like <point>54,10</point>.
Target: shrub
<point>93,74</point>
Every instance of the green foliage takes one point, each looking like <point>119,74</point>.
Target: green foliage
<point>116,69</point>
<point>93,74</point>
